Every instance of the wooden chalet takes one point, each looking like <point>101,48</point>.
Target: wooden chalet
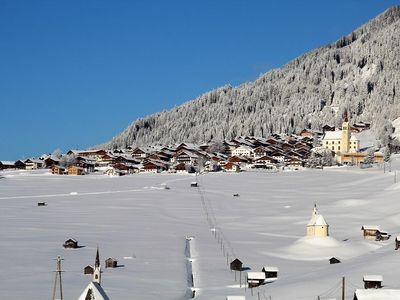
<point>75,170</point>
<point>111,263</point>
<point>369,231</point>
<point>328,128</point>
<point>382,235</point>
<point>7,165</point>
<point>307,133</point>
<point>154,167</point>
<point>51,161</point>
<point>186,156</point>
<point>231,167</point>
<point>57,170</point>
<point>33,164</point>
<point>397,243</point>
<point>372,281</point>
<point>95,152</point>
<point>139,153</point>
<point>181,168</point>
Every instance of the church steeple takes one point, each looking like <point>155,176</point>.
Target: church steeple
<point>97,268</point>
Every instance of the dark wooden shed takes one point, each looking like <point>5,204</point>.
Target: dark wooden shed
<point>270,272</point>
<point>236,265</point>
<point>372,281</point>
<point>111,262</point>
<point>88,270</point>
<point>193,184</point>
<point>334,260</point>
<point>397,242</point>
<point>71,243</point>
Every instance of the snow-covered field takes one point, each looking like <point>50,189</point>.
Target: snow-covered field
<point>142,224</point>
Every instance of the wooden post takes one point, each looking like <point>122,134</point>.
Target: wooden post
<point>258,293</point>
<point>343,288</point>
<point>240,278</point>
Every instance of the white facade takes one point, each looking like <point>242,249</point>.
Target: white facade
<point>243,151</point>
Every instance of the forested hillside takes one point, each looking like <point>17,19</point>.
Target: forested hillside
<point>360,72</point>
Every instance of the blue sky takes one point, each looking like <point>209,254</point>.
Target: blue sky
<point>75,73</point>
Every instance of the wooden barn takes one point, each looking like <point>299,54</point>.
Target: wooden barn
<point>255,279</point>
<point>334,260</point>
<point>88,270</point>
<point>270,272</point>
<point>57,170</point>
<point>372,281</point>
<point>382,235</point>
<point>236,265</point>
<point>111,263</point>
<point>71,243</point>
<point>369,231</point>
<point>75,170</point>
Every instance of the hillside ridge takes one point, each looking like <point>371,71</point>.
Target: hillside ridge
<point>359,73</point>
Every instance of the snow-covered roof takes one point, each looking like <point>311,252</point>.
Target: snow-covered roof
<point>317,220</point>
<point>95,291</point>
<point>7,162</point>
<point>235,298</point>
<point>255,275</point>
<point>353,138</point>
<point>333,135</point>
<point>270,269</point>
<point>370,227</point>
<point>376,294</point>
<point>373,278</point>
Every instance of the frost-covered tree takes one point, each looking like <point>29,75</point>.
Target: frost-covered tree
<point>369,158</point>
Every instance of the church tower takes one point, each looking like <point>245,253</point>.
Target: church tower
<point>345,142</point>
<point>97,269</point>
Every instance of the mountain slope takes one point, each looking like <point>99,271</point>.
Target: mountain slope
<point>359,72</point>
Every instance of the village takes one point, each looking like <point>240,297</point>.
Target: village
<point>278,152</point>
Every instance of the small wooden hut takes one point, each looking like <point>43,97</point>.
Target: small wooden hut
<point>372,281</point>
<point>270,272</point>
<point>236,265</point>
<point>71,243</point>
<point>369,231</point>
<point>88,270</point>
<point>334,260</point>
<point>111,262</point>
<point>397,242</point>
<point>255,279</point>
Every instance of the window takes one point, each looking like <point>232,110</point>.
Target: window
<point>338,147</point>
<point>333,147</point>
<point>338,142</point>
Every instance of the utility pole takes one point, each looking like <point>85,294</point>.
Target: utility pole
<point>343,287</point>
<point>58,272</point>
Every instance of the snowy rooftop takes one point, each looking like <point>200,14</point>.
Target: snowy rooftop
<point>373,278</point>
<point>377,294</point>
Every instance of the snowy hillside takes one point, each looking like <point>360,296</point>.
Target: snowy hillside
<point>137,221</point>
<point>359,72</point>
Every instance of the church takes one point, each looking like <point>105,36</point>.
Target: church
<point>93,290</point>
<point>346,145</point>
<point>317,226</point>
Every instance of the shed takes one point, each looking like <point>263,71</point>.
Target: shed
<point>372,281</point>
<point>41,204</point>
<point>369,231</point>
<point>397,242</point>
<point>254,279</point>
<point>75,170</point>
<point>382,235</point>
<point>111,262</point>
<point>55,169</point>
<point>270,272</point>
<point>334,260</point>
<point>88,270</point>
<point>71,243</point>
<point>193,184</point>
<point>236,265</point>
